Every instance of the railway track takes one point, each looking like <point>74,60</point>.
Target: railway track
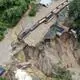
<point>44,20</point>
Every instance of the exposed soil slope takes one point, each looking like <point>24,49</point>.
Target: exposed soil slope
<point>47,54</point>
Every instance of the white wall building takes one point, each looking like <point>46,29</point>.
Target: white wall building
<point>45,2</point>
<point>22,75</point>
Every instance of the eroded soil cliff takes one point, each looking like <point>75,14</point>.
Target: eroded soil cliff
<point>50,52</point>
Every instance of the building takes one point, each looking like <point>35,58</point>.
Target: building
<point>45,2</point>
<point>54,30</point>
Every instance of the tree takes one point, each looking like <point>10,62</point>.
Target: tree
<point>74,9</point>
<point>10,13</point>
<point>62,74</point>
<point>33,10</point>
<point>74,14</point>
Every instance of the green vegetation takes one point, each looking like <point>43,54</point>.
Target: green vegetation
<point>74,15</point>
<point>2,30</point>
<point>62,74</point>
<point>74,9</point>
<point>10,13</point>
<point>2,78</point>
<point>33,10</point>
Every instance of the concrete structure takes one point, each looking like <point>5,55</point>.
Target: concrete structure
<point>36,35</point>
<point>45,2</point>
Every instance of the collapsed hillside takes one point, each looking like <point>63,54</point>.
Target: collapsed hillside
<point>51,52</point>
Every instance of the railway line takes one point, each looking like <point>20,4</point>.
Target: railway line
<point>44,20</point>
<point>36,33</point>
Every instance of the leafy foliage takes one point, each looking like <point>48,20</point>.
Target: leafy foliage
<point>12,15</point>
<point>11,12</point>
<point>74,9</point>
<point>2,78</point>
<point>62,74</point>
<point>33,10</point>
<point>14,11</point>
<point>2,30</point>
<point>74,14</point>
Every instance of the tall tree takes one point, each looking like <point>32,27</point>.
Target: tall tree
<point>74,9</point>
<point>74,14</point>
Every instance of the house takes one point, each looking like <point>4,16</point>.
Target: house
<point>54,30</point>
<point>45,2</point>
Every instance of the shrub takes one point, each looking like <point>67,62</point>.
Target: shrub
<point>74,13</point>
<point>62,74</point>
<point>11,12</point>
<point>2,78</point>
<point>12,15</point>
<point>6,4</point>
<point>1,36</point>
<point>33,10</point>
<point>2,30</point>
<point>2,26</point>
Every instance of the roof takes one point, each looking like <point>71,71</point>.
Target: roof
<point>53,31</point>
<point>45,2</point>
<point>60,29</point>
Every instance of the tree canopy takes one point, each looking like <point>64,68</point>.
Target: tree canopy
<point>74,14</point>
<point>74,9</point>
<point>10,13</point>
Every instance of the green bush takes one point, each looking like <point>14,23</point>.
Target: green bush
<point>2,78</point>
<point>74,13</point>
<point>2,30</point>
<point>33,10</point>
<point>3,26</point>
<point>6,4</point>
<point>62,74</point>
<point>1,36</point>
<point>10,13</point>
<point>13,15</point>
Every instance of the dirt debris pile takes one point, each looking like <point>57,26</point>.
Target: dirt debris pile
<point>41,61</point>
<point>59,51</point>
